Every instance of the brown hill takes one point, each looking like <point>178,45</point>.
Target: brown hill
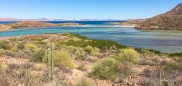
<point>31,24</point>
<point>169,20</point>
<point>175,11</point>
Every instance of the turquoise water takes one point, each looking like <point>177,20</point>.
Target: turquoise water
<point>164,41</point>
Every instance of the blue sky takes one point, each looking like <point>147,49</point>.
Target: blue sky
<point>84,9</point>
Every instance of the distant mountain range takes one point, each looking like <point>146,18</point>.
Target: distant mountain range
<point>38,19</point>
<point>46,19</point>
<point>171,20</point>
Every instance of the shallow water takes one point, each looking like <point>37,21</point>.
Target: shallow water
<point>164,41</point>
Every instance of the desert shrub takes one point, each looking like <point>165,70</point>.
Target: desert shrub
<point>179,60</point>
<point>20,66</point>
<point>5,45</point>
<point>163,62</point>
<point>82,67</point>
<point>37,39</point>
<point>63,58</point>
<point>3,66</point>
<point>3,80</point>
<point>174,66</point>
<point>146,72</point>
<point>38,56</point>
<point>2,52</point>
<point>89,49</point>
<point>146,62</point>
<point>128,54</point>
<point>10,53</point>
<point>20,46</point>
<point>156,60</point>
<point>19,54</point>
<point>85,58</point>
<point>41,42</point>
<point>145,51</point>
<point>82,57</point>
<point>95,51</point>
<point>113,48</point>
<point>84,82</point>
<point>31,46</point>
<point>72,49</point>
<point>107,68</point>
<point>27,78</point>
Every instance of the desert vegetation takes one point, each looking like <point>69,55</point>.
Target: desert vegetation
<point>79,61</point>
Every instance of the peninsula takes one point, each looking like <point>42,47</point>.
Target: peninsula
<point>6,27</point>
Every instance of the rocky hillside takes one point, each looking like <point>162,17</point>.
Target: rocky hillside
<point>5,27</point>
<point>135,21</point>
<point>175,11</point>
<point>170,20</point>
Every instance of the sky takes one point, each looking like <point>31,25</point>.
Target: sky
<point>84,9</point>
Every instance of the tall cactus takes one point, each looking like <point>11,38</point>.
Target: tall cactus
<point>50,59</point>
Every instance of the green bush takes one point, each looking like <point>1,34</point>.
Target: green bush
<point>107,68</point>
<point>75,35</point>
<point>38,56</point>
<point>95,51</point>
<point>31,47</point>
<point>84,82</point>
<point>21,46</point>
<point>101,44</point>
<point>176,54</point>
<point>129,55</point>
<point>145,51</point>
<point>63,58</point>
<point>5,45</point>
<point>89,49</point>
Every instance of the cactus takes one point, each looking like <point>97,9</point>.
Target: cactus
<point>166,83</point>
<point>50,60</point>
